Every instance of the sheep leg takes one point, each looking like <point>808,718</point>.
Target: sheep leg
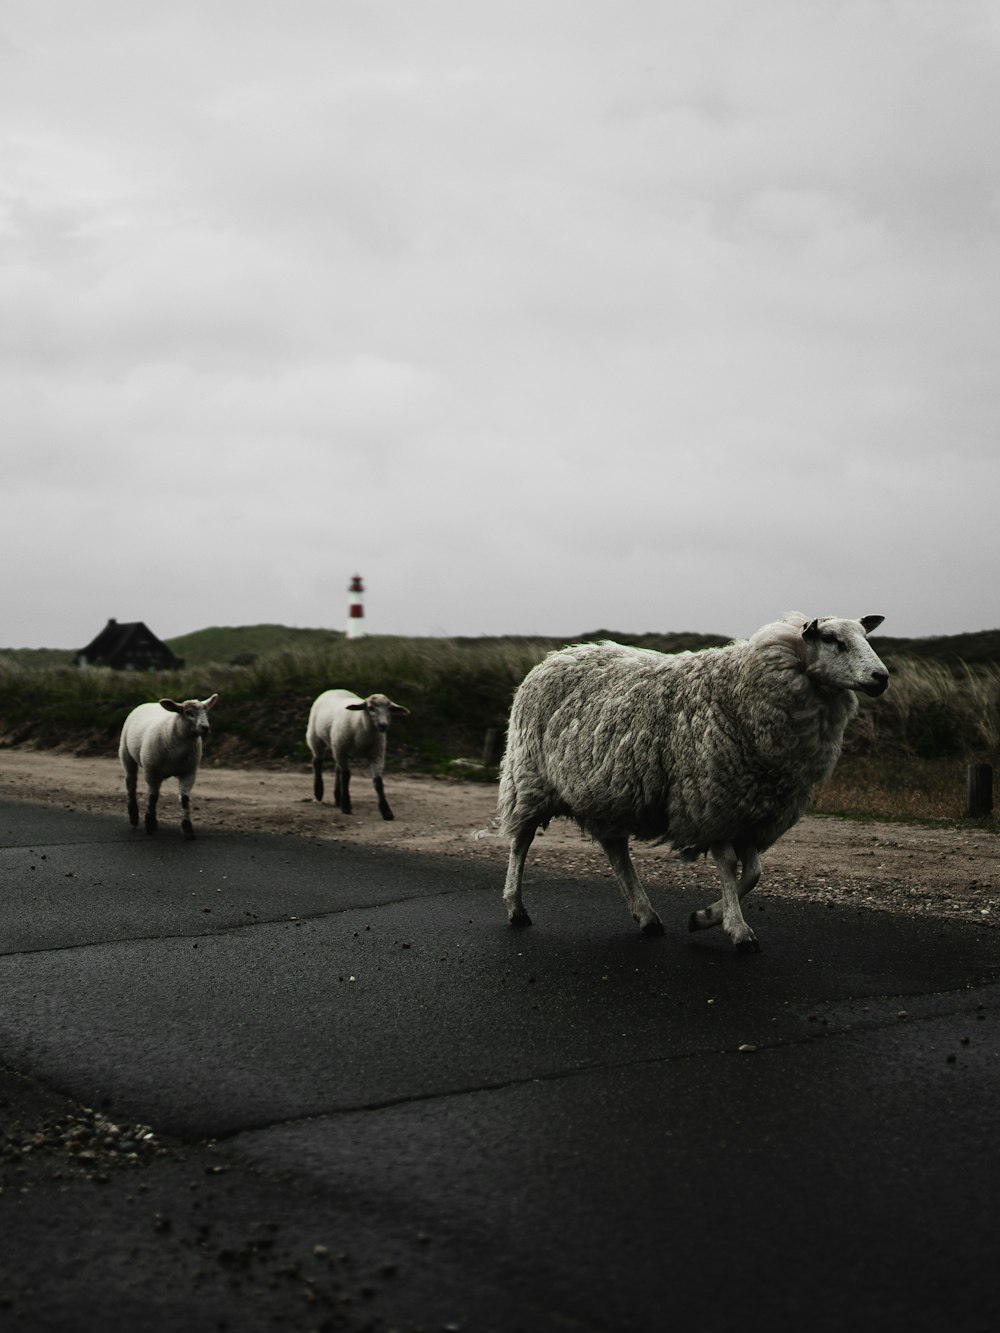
<point>749,878</point>
<point>727,909</point>
<point>152,796</point>
<point>616,850</point>
<point>318,775</point>
<point>186,783</point>
<point>519,845</point>
<point>342,788</point>
<point>131,782</point>
<point>383,804</point>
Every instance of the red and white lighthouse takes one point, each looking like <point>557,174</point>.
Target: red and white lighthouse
<point>356,609</point>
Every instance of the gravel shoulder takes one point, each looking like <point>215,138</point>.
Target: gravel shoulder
<point>943,871</point>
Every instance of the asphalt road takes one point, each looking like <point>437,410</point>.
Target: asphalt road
<point>376,1106</point>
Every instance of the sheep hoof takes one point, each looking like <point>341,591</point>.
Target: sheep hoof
<point>387,813</point>
<point>150,824</point>
<point>748,946</point>
<point>187,830</point>
<point>520,918</point>
<point>653,927</point>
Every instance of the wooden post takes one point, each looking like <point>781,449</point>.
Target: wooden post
<point>492,747</point>
<point>980,792</point>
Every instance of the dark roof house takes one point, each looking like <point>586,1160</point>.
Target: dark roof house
<point>128,647</point>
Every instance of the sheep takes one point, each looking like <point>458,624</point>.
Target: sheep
<point>164,740</point>
<point>714,751</point>
<point>350,728</point>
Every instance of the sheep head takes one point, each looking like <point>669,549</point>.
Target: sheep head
<point>379,708</point>
<point>194,713</point>
<point>840,656</point>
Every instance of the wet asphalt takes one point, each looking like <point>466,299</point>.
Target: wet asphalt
<point>373,1105</point>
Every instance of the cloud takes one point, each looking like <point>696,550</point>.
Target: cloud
<point>538,316</point>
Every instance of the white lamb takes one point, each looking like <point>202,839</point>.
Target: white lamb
<point>164,740</point>
<point>715,751</point>
<point>350,728</point>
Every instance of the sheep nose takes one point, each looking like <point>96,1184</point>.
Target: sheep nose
<point>880,682</point>
<point>383,726</point>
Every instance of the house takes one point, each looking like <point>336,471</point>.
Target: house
<point>128,647</point>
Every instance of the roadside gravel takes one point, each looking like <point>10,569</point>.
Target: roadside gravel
<point>922,870</point>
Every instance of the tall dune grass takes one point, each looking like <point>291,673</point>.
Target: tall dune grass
<point>455,691</point>
<point>905,753</point>
<point>932,711</point>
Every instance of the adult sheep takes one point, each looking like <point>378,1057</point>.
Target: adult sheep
<point>350,728</point>
<point>164,740</point>
<point>715,751</point>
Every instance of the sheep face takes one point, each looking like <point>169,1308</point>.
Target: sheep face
<point>839,656</point>
<point>379,708</point>
<point>194,713</point>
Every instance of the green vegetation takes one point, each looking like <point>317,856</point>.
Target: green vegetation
<point>34,657</point>
<point>246,643</point>
<point>455,691</point>
<point>268,675</point>
<point>905,757</point>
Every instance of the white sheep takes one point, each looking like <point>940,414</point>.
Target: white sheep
<point>350,728</point>
<point>164,740</point>
<point>716,751</point>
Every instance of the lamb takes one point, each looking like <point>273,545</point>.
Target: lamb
<point>350,728</point>
<point>715,751</point>
<point>164,740</point>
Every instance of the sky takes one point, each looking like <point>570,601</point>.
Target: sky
<point>544,316</point>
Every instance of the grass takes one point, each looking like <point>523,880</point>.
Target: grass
<point>879,787</point>
<point>906,754</point>
<point>455,693</point>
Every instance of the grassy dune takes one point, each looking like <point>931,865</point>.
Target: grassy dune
<point>905,757</point>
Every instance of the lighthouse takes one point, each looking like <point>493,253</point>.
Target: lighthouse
<point>356,609</point>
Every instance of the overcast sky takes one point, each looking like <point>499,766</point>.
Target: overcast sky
<point>545,316</point>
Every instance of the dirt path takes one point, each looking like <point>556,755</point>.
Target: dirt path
<point>945,872</point>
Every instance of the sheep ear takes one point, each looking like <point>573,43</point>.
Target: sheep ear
<point>210,702</point>
<point>811,631</point>
<point>868,623</point>
<point>170,706</point>
<point>398,708</point>
<point>356,708</point>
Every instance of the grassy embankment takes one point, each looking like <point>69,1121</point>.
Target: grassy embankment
<point>906,754</point>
